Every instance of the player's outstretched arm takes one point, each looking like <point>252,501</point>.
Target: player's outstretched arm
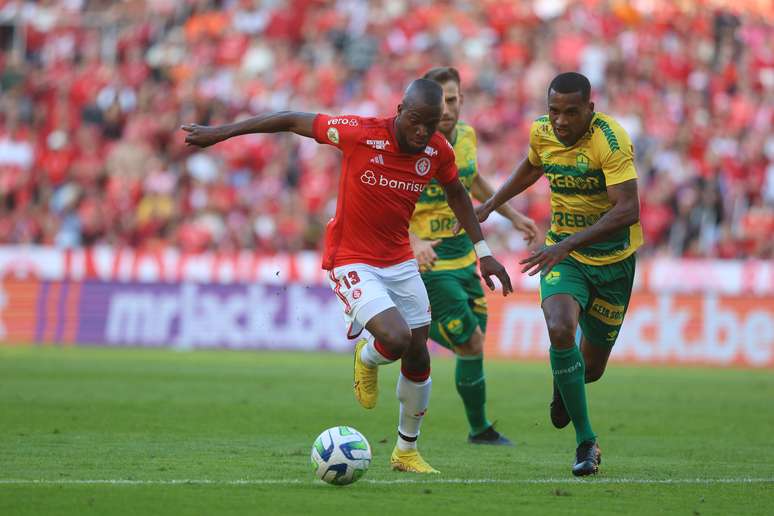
<point>459,202</point>
<point>625,212</point>
<point>482,191</point>
<point>525,176</point>
<point>280,121</point>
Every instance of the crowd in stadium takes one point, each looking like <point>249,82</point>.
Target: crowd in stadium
<point>92,94</point>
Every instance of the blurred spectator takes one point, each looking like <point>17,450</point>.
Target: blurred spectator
<point>92,94</point>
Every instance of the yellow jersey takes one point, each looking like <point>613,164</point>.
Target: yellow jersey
<point>579,176</point>
<point>433,219</point>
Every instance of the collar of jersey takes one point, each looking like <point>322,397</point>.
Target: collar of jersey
<point>456,134</point>
<point>588,130</point>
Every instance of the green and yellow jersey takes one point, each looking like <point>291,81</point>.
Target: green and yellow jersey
<point>433,219</point>
<point>579,176</point>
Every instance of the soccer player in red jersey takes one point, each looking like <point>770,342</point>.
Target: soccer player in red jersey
<point>387,163</point>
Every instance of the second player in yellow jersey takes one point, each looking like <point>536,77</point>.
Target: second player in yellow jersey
<point>587,264</point>
<point>579,176</point>
<point>448,264</point>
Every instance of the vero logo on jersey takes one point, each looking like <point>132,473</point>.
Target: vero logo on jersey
<point>352,122</point>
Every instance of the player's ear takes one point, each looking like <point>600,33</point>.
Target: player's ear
<point>400,108</point>
<point>591,106</point>
<point>462,98</point>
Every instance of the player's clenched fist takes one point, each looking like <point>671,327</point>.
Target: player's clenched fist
<point>202,135</point>
<point>491,267</point>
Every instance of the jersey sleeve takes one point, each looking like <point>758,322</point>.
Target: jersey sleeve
<point>534,145</point>
<point>447,170</point>
<point>616,155</point>
<point>341,131</point>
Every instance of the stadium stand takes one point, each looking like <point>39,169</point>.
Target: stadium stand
<point>92,94</point>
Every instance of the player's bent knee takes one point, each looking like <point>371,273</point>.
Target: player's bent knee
<point>561,332</point>
<point>414,366</point>
<point>397,340</point>
<point>473,347</point>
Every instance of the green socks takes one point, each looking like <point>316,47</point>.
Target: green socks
<point>569,374</point>
<point>469,378</point>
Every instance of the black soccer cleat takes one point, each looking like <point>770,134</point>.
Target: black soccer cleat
<point>490,436</point>
<point>588,457</point>
<point>559,416</point>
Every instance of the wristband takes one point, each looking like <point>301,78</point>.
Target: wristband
<point>482,249</point>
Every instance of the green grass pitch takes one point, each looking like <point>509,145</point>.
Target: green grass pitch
<point>129,431</point>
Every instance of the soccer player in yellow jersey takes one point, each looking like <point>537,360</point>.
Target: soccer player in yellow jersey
<point>448,263</point>
<point>587,264</point>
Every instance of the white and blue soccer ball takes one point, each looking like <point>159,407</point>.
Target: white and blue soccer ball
<point>340,455</point>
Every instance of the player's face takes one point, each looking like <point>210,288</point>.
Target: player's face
<point>452,102</point>
<point>415,125</point>
<point>570,116</point>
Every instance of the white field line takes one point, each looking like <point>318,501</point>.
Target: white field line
<point>427,481</point>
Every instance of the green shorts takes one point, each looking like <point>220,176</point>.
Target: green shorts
<point>602,291</point>
<point>458,305</point>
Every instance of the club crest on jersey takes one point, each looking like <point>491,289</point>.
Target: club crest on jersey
<point>582,163</point>
<point>422,166</point>
<point>368,177</point>
<point>430,151</point>
<point>378,144</point>
<point>333,135</point>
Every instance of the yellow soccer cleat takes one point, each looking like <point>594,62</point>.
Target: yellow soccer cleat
<point>366,379</point>
<point>410,461</point>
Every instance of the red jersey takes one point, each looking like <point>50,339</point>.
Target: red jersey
<point>378,188</point>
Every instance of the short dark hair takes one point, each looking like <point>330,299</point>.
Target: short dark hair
<point>423,91</point>
<point>443,74</point>
<point>571,82</point>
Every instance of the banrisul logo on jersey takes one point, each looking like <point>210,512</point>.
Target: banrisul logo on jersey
<point>422,166</point>
<point>369,178</point>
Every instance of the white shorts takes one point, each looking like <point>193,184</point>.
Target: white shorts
<point>366,291</point>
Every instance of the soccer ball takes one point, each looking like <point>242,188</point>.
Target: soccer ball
<point>340,455</point>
